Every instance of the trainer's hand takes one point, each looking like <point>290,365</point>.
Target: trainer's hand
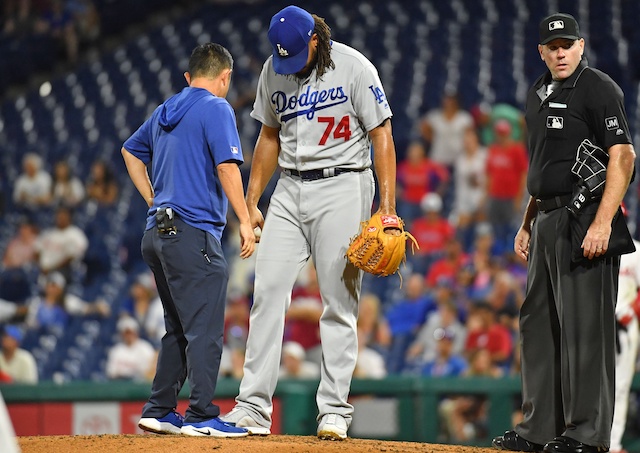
<point>521,243</point>
<point>247,240</point>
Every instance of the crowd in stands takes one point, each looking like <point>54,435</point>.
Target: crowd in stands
<point>50,31</point>
<point>48,262</point>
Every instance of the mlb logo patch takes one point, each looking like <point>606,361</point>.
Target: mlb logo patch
<point>234,149</point>
<point>556,25</point>
<point>555,122</point>
<point>611,123</point>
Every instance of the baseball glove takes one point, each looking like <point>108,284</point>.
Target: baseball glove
<point>380,246</point>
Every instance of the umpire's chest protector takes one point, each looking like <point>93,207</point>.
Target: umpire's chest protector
<point>586,105</point>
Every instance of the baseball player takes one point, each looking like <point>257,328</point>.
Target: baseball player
<point>8,442</point>
<point>322,106</point>
<point>627,323</point>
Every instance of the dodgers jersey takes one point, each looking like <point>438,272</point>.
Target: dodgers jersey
<point>324,122</point>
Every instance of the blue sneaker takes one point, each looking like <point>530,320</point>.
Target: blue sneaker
<point>214,428</point>
<point>169,424</point>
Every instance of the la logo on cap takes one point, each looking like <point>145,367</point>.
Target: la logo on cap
<point>556,24</point>
<point>281,51</point>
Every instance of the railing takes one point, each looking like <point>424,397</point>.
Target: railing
<point>415,401</point>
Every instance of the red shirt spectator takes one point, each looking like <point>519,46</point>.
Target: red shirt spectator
<point>485,333</point>
<point>302,321</point>
<point>506,166</point>
<point>418,175</point>
<point>432,231</point>
<point>447,267</point>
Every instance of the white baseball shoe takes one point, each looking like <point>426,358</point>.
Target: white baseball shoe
<point>332,427</point>
<point>240,418</point>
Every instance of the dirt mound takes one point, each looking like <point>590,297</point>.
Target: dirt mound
<point>108,443</point>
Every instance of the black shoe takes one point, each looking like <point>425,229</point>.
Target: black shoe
<point>564,444</point>
<point>511,440</point>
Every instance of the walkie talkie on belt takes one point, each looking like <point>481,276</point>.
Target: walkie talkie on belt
<point>165,221</point>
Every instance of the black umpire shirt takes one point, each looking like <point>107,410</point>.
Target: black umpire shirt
<point>586,105</point>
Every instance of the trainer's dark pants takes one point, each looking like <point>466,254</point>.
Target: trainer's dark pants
<point>567,329</point>
<point>193,291</point>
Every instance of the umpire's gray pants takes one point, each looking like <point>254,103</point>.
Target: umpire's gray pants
<point>567,328</point>
<point>307,218</point>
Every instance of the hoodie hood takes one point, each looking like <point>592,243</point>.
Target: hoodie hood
<point>176,107</point>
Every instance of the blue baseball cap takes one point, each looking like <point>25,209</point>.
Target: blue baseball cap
<point>14,332</point>
<point>290,31</point>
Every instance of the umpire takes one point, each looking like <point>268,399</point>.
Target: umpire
<point>191,143</point>
<point>567,321</point>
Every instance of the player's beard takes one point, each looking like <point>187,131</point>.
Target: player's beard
<point>308,69</point>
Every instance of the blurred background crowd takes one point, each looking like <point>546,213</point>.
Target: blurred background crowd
<point>78,76</point>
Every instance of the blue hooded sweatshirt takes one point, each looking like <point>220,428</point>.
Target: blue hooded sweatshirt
<point>185,139</point>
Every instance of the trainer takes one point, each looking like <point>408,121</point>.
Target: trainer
<point>567,321</point>
<point>192,144</point>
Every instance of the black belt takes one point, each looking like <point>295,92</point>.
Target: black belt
<point>549,204</point>
<point>312,175</point>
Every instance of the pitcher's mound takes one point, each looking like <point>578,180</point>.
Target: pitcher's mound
<point>111,443</point>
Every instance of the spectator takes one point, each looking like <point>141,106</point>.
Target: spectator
<point>370,363</point>
<point>486,117</point>
<point>48,310</point>
<point>18,19</point>
<point>483,269</point>
<point>132,358</point>
<point>32,189</point>
<point>236,321</point>
<point>144,305</point>
<point>294,365</point>
<point>470,187</point>
<point>506,169</point>
<point>16,363</point>
<point>418,175</point>
<point>11,311</point>
<point>76,306</point>
<point>67,188</point>
<point>466,415</point>
<point>102,187</point>
<point>444,129</point>
<point>85,18</point>
<point>21,251</point>
<point>483,331</point>
<point>423,349</point>
<point>62,246</point>
<point>506,293</point>
<point>57,22</point>
<point>302,322</point>
<point>445,363</point>
<point>432,231</point>
<point>449,265</point>
<point>405,318</point>
<point>236,329</point>
<point>232,362</point>
<point>373,328</point>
